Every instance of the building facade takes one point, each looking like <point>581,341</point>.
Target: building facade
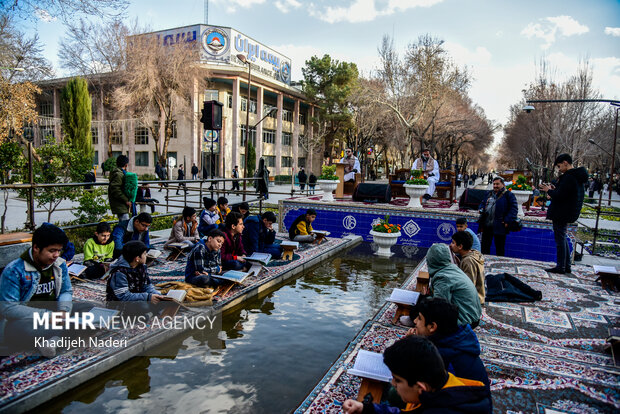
<point>282,138</point>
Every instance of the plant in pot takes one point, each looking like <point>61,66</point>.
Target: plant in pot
<point>328,182</point>
<point>522,191</point>
<point>385,235</point>
<point>415,188</point>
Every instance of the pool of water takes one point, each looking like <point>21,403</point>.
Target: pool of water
<point>271,352</point>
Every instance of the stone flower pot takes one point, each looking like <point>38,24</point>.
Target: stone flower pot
<point>384,242</point>
<point>415,191</point>
<point>328,186</point>
<point>522,196</point>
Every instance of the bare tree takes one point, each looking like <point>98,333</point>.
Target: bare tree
<point>66,10</point>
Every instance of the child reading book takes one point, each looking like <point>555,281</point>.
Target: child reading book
<point>97,250</point>
<point>184,229</point>
<point>205,261</point>
<point>259,235</point>
<point>208,217</point>
<point>422,382</point>
<point>301,229</point>
<point>232,250</point>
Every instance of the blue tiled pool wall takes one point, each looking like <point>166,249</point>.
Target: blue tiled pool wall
<point>422,229</point>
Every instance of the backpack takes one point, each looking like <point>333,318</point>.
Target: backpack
<point>130,186</point>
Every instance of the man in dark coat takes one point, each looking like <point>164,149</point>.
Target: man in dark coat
<point>498,209</point>
<point>302,177</point>
<point>566,203</point>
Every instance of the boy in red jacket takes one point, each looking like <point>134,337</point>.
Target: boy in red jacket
<point>233,253</point>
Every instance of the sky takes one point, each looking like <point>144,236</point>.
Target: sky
<point>501,42</point>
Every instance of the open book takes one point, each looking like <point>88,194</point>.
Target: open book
<point>181,245</point>
<point>76,269</point>
<point>262,258</point>
<point>153,253</point>
<point>286,244</point>
<point>176,294</point>
<point>102,314</point>
<point>605,269</point>
<point>323,232</point>
<point>370,365</point>
<point>234,276</point>
<point>404,297</point>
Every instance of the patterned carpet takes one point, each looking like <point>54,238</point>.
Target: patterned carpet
<point>542,357</point>
<point>23,373</point>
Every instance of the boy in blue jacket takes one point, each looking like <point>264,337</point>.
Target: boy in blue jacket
<point>259,235</point>
<point>458,345</point>
<point>136,228</point>
<point>421,380</point>
<point>129,280</point>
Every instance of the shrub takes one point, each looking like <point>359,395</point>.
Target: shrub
<point>328,172</point>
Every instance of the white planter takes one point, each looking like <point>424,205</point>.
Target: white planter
<point>522,197</point>
<point>415,191</point>
<point>328,186</point>
<point>384,241</point>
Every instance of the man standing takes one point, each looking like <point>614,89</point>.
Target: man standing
<point>352,167</point>
<point>119,202</point>
<point>498,209</point>
<point>566,203</point>
<point>181,177</point>
<point>302,177</point>
<point>194,171</point>
<point>235,174</point>
<point>430,167</point>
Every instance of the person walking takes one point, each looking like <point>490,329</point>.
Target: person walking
<point>194,171</point>
<point>181,177</point>
<point>311,182</point>
<point>235,174</point>
<point>497,210</point>
<point>565,207</point>
<point>302,177</point>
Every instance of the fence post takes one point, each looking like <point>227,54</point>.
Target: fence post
<point>31,222</point>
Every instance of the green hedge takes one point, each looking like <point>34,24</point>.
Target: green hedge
<point>282,179</point>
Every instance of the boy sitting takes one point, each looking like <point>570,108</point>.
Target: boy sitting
<point>243,208</point>
<point>184,229</point>
<point>208,217</point>
<point>472,261</point>
<point>136,228</point>
<point>222,211</point>
<point>232,250</point>
<point>97,250</point>
<point>205,260</point>
<point>458,346</point>
<point>259,235</point>
<point>421,380</point>
<point>461,225</point>
<point>129,279</point>
<point>301,229</point>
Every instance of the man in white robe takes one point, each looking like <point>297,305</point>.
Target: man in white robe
<point>430,167</point>
<point>352,167</point>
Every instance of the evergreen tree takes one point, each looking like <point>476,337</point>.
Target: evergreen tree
<point>251,159</point>
<point>76,111</point>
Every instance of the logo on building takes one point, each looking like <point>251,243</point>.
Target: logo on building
<point>411,228</point>
<point>349,222</point>
<point>410,251</point>
<point>445,231</point>
<point>376,221</point>
<point>285,72</point>
<point>215,42</point>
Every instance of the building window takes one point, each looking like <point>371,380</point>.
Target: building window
<point>115,154</point>
<point>174,129</point>
<point>252,136</point>
<point>142,159</point>
<point>212,95</point>
<point>96,158</point>
<point>302,119</point>
<point>229,99</point>
<point>244,103</point>
<point>47,135</point>
<point>270,160</point>
<point>301,162</point>
<point>142,136</point>
<point>47,109</point>
<point>287,161</point>
<point>286,139</point>
<point>269,136</point>
<point>116,136</point>
<point>287,115</point>
<point>242,162</point>
<point>94,133</point>
<point>266,108</point>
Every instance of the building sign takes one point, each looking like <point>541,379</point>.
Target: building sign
<point>223,44</point>
<point>211,139</point>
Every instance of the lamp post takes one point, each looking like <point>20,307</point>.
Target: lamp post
<point>245,60</point>
<point>529,108</point>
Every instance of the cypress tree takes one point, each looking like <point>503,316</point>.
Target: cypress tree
<point>75,105</point>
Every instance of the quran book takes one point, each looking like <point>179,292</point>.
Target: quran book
<point>102,314</point>
<point>605,269</point>
<point>153,253</point>
<point>234,276</point>
<point>370,365</point>
<point>323,232</point>
<point>262,258</point>
<point>405,297</point>
<point>292,244</point>
<point>76,269</point>
<point>177,294</point>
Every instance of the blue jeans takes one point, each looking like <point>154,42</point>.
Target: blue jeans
<point>232,265</point>
<point>561,245</point>
<point>203,281</point>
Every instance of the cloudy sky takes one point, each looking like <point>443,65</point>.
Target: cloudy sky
<point>500,41</point>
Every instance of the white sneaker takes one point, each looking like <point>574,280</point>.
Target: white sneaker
<point>406,320</point>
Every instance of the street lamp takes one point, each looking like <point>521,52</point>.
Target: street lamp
<point>245,60</point>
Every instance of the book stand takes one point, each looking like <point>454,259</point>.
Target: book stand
<point>372,387</point>
<point>319,238</point>
<point>401,310</point>
<point>422,282</point>
<point>287,252</point>
<point>176,253</point>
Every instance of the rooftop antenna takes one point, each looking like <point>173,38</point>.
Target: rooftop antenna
<point>206,2</point>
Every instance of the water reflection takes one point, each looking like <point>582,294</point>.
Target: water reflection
<point>269,354</point>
